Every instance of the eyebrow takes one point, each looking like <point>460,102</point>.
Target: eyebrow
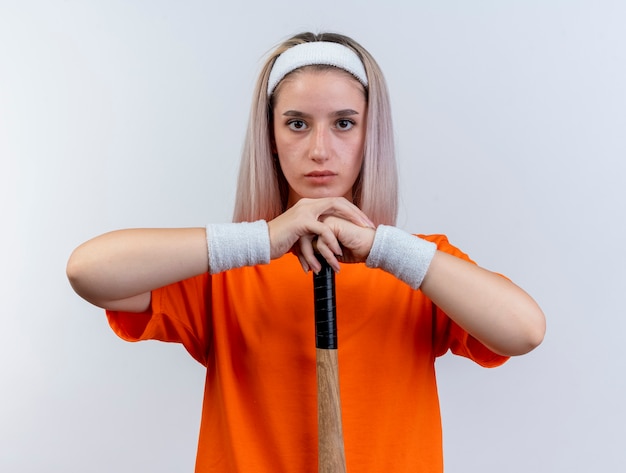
<point>338,113</point>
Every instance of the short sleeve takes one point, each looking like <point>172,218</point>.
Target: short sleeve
<point>178,313</point>
<point>449,336</point>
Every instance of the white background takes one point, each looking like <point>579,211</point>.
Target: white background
<point>511,128</point>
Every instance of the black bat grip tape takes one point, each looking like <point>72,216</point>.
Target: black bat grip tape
<point>325,307</point>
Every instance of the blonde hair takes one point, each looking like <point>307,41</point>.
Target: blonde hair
<point>262,188</point>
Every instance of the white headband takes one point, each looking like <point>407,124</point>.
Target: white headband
<point>317,52</point>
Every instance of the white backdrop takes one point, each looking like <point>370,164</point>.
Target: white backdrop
<point>511,128</point>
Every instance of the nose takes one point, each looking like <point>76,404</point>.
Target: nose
<point>319,145</point>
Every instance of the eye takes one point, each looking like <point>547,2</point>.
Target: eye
<point>296,125</point>
<point>344,124</point>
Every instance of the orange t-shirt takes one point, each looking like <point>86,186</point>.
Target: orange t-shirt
<point>253,329</point>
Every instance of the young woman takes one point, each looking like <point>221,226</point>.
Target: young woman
<point>317,170</point>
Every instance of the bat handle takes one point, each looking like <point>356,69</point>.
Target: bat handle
<point>331,454</point>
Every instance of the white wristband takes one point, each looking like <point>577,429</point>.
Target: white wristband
<point>405,256</point>
<point>234,245</point>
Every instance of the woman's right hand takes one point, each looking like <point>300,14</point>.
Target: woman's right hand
<point>299,227</point>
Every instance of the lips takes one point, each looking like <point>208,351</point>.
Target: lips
<point>320,174</point>
<point>320,178</point>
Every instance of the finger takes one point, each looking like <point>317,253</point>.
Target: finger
<point>328,255</point>
<point>330,241</point>
<point>305,245</point>
<point>340,207</point>
<point>311,244</point>
<point>303,263</point>
<point>321,231</point>
<point>301,259</point>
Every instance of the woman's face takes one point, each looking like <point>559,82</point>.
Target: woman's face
<point>319,132</point>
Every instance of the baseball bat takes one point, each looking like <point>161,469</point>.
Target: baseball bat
<point>331,454</point>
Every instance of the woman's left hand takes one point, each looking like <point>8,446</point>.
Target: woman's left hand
<point>356,241</point>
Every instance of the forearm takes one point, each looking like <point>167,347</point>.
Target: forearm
<point>489,307</point>
<point>122,267</point>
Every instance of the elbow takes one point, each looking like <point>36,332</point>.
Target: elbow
<point>73,271</point>
<point>529,335</point>
<point>529,342</point>
<point>77,272</point>
<point>84,272</point>
<point>536,337</point>
<point>538,333</point>
<point>536,327</point>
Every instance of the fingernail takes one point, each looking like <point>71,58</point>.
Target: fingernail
<point>369,223</point>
